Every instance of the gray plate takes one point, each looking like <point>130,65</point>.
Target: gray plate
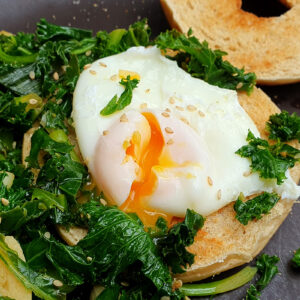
<point>22,15</point>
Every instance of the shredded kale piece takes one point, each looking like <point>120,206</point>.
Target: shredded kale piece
<point>267,269</point>
<point>119,40</point>
<point>47,31</point>
<point>202,62</point>
<point>270,161</point>
<point>296,259</point>
<point>41,284</point>
<point>116,104</point>
<point>172,245</point>
<point>254,208</point>
<point>284,126</point>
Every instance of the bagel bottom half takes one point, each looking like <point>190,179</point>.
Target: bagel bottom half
<point>223,242</point>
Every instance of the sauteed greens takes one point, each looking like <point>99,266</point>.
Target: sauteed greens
<point>45,184</point>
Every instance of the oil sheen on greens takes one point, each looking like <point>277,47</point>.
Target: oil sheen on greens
<point>38,74</point>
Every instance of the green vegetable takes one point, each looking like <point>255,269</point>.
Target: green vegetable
<point>202,62</point>
<point>270,161</point>
<point>21,60</point>
<point>254,208</point>
<point>42,285</point>
<point>284,126</point>
<point>20,212</point>
<point>221,286</point>
<point>116,104</point>
<point>172,245</point>
<point>296,259</point>
<point>47,31</point>
<point>267,269</point>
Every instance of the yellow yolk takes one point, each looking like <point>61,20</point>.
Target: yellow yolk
<point>145,186</point>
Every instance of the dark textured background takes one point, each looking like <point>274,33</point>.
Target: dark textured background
<point>22,15</point>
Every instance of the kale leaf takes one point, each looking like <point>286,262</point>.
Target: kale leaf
<point>116,104</point>
<point>46,31</point>
<point>202,62</point>
<point>255,207</point>
<point>267,269</point>
<point>42,285</point>
<point>296,259</point>
<point>284,126</point>
<point>172,245</point>
<point>270,161</point>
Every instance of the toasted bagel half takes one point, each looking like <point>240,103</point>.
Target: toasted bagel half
<point>267,46</point>
<point>223,242</point>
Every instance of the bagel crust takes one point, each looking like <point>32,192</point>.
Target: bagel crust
<point>223,242</point>
<point>269,47</point>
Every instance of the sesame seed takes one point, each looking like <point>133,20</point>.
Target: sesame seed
<point>87,66</point>
<point>55,76</point>
<point>168,110</point>
<point>179,108</point>
<point>209,180</point>
<point>64,68</point>
<point>4,201</point>
<point>105,132</point>
<point>14,144</point>
<point>185,120</point>
<point>89,258</point>
<point>169,130</point>
<point>59,101</point>
<point>103,202</point>
<point>247,173</point>
<point>170,142</point>
<point>219,194</point>
<point>57,283</point>
<point>0,220</point>
<point>123,118</point>
<point>239,85</point>
<point>165,114</point>
<point>147,90</point>
<point>93,72</point>
<point>33,101</point>
<point>32,75</point>
<point>102,64</point>
<point>201,114</point>
<point>88,216</point>
<point>124,283</point>
<point>47,235</point>
<point>191,107</point>
<point>171,100</point>
<point>165,298</point>
<point>88,53</point>
<point>114,77</point>
<point>143,105</point>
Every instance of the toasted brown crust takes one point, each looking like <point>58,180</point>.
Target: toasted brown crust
<point>267,46</point>
<point>224,243</point>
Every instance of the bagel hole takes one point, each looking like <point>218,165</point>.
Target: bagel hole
<point>266,8</point>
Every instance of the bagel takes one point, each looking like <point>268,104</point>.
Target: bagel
<point>267,46</point>
<point>224,243</point>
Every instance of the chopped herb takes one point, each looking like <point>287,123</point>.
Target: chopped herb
<point>116,104</point>
<point>270,161</point>
<point>202,62</point>
<point>284,126</point>
<point>267,269</point>
<point>254,208</point>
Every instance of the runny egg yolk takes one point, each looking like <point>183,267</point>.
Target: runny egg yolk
<point>146,184</point>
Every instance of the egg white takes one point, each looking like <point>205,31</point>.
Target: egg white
<point>214,115</point>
